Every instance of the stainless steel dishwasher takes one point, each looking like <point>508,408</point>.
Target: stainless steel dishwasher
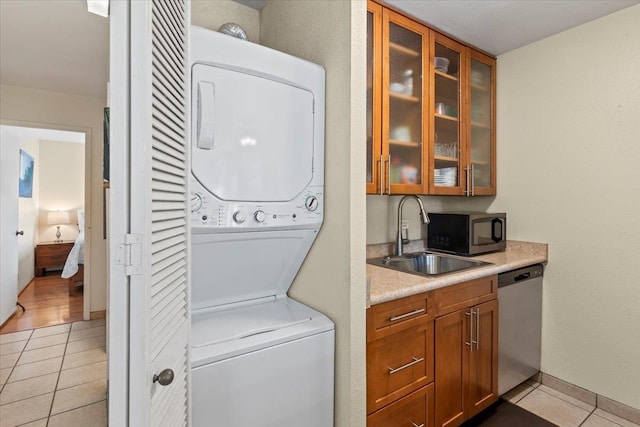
<point>520,324</point>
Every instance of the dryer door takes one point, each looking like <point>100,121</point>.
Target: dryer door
<point>252,135</point>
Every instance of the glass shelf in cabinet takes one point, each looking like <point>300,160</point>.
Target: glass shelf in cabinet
<point>403,97</point>
<point>403,49</point>
<point>408,144</point>
<point>439,73</point>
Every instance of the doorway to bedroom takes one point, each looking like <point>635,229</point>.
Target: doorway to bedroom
<point>42,279</point>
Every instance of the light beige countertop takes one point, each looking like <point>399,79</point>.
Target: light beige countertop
<point>386,284</point>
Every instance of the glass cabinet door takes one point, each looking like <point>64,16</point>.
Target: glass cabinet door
<point>374,97</point>
<point>448,71</point>
<point>404,90</point>
<point>482,125</point>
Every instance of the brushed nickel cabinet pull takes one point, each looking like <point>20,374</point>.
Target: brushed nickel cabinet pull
<point>471,342</point>
<point>478,329</point>
<point>380,180</point>
<point>416,425</point>
<point>409,314</point>
<point>414,362</point>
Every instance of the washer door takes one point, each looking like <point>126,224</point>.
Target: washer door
<point>252,135</point>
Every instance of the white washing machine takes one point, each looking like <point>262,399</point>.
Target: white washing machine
<point>258,357</point>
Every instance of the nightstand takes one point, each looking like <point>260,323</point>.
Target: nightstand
<point>51,254</point>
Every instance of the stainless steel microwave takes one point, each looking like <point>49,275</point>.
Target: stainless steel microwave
<point>469,233</point>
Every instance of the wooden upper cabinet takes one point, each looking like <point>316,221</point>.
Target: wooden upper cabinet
<point>374,96</point>
<point>448,72</point>
<point>397,164</point>
<point>430,110</point>
<point>481,126</point>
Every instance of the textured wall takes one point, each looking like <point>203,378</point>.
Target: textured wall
<point>568,152</point>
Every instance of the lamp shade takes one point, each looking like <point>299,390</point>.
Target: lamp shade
<point>57,217</point>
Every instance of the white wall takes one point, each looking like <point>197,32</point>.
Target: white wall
<point>28,219</point>
<point>61,186</point>
<point>22,106</point>
<point>212,14</point>
<point>568,174</point>
<point>332,279</point>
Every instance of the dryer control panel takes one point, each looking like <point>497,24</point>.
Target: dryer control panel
<point>207,211</point>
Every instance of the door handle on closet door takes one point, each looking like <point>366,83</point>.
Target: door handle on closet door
<point>20,233</point>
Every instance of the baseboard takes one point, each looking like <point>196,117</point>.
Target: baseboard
<point>602,402</point>
<point>98,314</point>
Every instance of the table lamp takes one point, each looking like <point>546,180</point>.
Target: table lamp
<point>58,218</point>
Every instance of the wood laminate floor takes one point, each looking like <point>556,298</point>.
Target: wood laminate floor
<point>47,303</point>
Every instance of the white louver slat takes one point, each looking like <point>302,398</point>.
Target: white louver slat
<point>159,208</point>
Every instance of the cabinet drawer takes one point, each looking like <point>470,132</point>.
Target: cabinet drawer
<point>59,249</point>
<point>415,409</point>
<point>466,294</point>
<point>394,316</point>
<point>51,260</point>
<point>399,364</point>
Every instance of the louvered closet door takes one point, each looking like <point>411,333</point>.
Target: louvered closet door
<point>159,287</point>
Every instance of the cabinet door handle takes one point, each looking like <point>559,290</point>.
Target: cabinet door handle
<point>470,342</point>
<point>467,191</point>
<point>473,180</point>
<point>403,316</point>
<point>381,176</point>
<point>416,425</point>
<point>414,362</point>
<point>389,175</point>
<point>478,329</point>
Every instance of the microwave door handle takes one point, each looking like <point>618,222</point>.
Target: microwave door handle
<point>497,225</point>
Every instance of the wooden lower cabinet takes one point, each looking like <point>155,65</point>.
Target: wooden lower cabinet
<point>432,358</point>
<point>466,363</point>
<point>413,410</point>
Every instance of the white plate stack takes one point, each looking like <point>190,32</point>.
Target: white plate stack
<point>445,177</point>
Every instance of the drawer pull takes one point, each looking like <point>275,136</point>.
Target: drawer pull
<point>415,361</point>
<point>404,316</point>
<point>416,425</point>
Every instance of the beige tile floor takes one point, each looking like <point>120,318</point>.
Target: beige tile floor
<point>54,376</point>
<point>561,409</point>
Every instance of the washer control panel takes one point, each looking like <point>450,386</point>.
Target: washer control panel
<point>208,211</point>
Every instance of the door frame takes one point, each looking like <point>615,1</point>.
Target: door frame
<point>86,302</point>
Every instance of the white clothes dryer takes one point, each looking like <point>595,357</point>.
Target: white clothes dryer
<point>258,357</point>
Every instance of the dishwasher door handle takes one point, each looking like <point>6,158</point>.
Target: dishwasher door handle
<point>523,276</point>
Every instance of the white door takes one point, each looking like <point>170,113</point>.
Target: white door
<point>9,170</point>
<point>149,235</point>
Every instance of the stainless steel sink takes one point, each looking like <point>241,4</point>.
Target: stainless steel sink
<point>426,263</point>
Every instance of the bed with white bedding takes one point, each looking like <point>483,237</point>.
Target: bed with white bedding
<point>75,258</point>
<point>74,265</point>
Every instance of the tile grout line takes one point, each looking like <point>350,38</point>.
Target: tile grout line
<point>55,390</point>
<point>588,416</point>
<point>16,363</point>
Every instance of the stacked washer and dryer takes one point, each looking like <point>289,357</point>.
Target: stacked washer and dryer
<point>258,357</point>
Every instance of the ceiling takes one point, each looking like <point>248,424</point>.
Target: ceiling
<point>498,26</point>
<point>57,45</point>
<point>54,45</point>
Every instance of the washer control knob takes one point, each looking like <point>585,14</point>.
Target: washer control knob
<point>260,216</point>
<point>311,203</point>
<point>239,217</point>
<point>196,202</point>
